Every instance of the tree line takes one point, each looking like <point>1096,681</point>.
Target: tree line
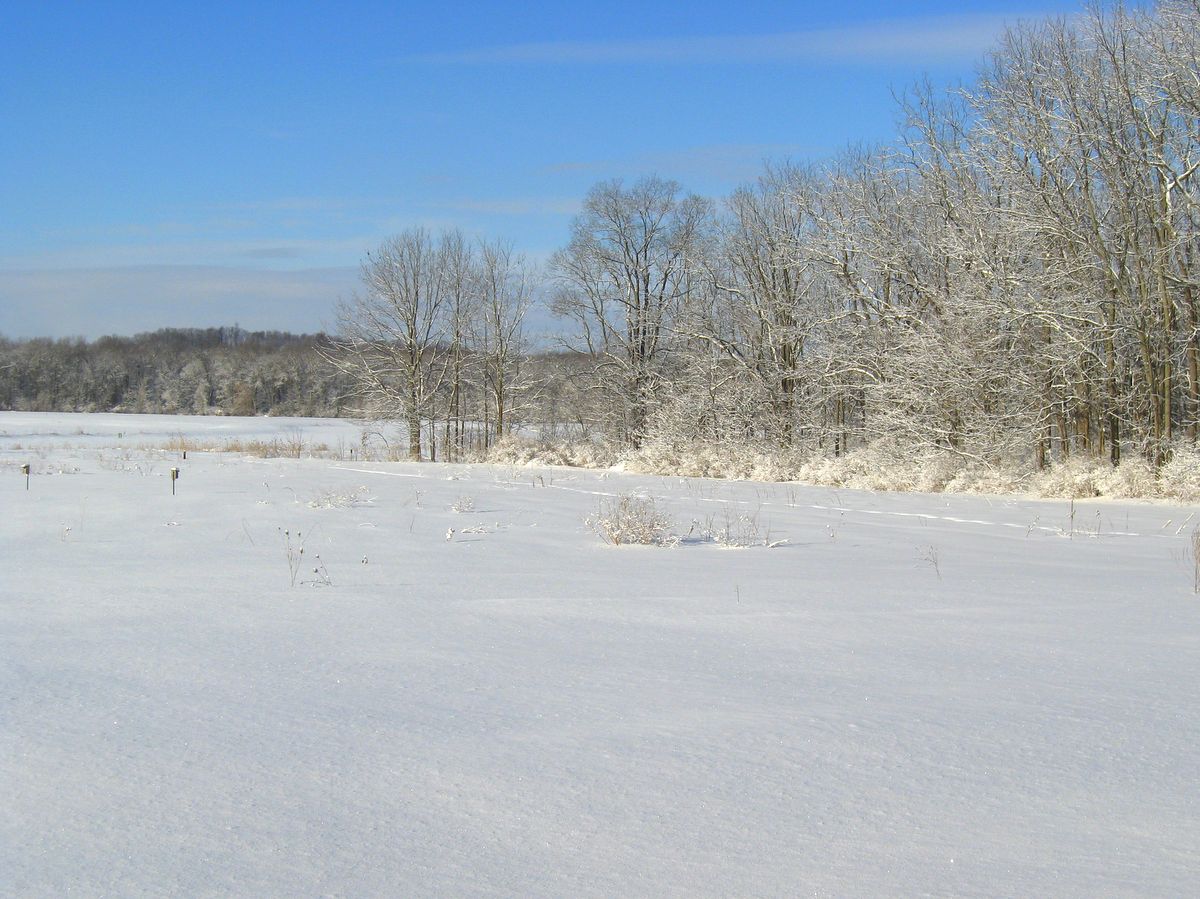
<point>231,371</point>
<point>1014,278</point>
<point>175,370</point>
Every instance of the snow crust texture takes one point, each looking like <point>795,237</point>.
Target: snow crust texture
<point>470,693</point>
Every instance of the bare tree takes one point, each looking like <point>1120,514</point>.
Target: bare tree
<point>462,308</point>
<point>505,282</point>
<point>622,281</point>
<point>390,340</point>
<point>765,299</point>
<point>1090,130</point>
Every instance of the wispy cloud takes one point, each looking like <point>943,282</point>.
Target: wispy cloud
<point>308,204</point>
<point>514,206</point>
<point>276,253</point>
<point>727,163</point>
<point>214,252</point>
<point>93,301</point>
<point>927,39</point>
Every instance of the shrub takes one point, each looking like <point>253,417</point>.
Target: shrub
<point>627,520</point>
<point>340,498</point>
<point>1075,478</point>
<point>733,530</point>
<point>1179,478</point>
<point>578,453</point>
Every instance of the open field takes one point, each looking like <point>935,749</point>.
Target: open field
<point>460,689</point>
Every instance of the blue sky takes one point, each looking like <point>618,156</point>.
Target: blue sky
<point>203,164</point>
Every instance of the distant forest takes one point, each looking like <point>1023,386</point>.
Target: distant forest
<point>231,371</point>
<point>176,370</point>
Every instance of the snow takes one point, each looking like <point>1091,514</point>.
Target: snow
<point>110,429</point>
<point>915,694</point>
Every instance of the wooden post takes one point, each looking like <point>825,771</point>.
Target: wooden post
<point>25,471</point>
<point>174,478</point>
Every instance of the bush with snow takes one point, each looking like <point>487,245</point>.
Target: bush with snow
<point>632,520</point>
<point>1082,477</point>
<point>578,453</point>
<point>885,465</point>
<point>1179,478</point>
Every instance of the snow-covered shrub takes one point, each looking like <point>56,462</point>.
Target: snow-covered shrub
<point>668,458</point>
<point>626,520</point>
<point>885,465</point>
<point>592,454</point>
<point>708,460</point>
<point>979,478</point>
<point>1133,478</point>
<point>1179,478</point>
<point>510,451</point>
<point>733,530</point>
<point>582,453</point>
<point>1074,478</point>
<point>339,498</point>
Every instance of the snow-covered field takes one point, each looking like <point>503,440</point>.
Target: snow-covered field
<point>912,695</point>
